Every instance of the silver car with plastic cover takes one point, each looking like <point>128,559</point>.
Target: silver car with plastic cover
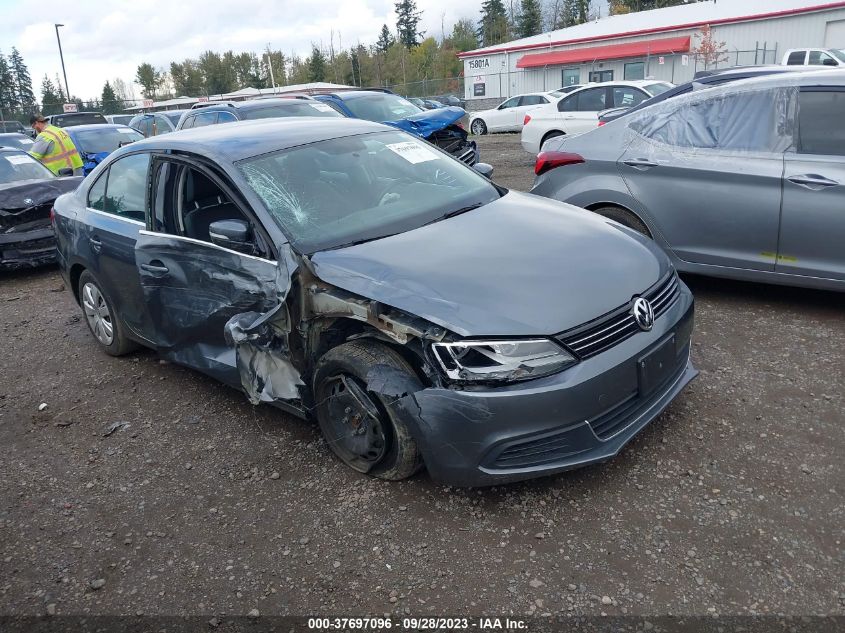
<point>352,273</point>
<point>744,181</point>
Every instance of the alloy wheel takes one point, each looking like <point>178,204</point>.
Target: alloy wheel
<point>97,313</point>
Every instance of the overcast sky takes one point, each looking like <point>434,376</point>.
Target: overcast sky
<point>106,39</point>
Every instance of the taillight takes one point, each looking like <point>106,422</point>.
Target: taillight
<point>601,123</point>
<point>550,160</point>
<point>526,119</point>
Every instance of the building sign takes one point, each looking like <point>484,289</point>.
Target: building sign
<point>479,64</point>
<point>661,60</point>
<point>202,99</point>
<point>69,107</point>
<point>684,60</point>
<point>148,103</point>
<point>478,90</point>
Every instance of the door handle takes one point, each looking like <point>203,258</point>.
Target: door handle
<point>95,243</point>
<point>640,163</point>
<point>156,268</point>
<point>812,181</point>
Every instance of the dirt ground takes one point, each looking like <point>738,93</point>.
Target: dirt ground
<point>199,503</point>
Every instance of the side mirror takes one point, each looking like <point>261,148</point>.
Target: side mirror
<point>66,171</point>
<point>829,62</point>
<point>233,234</point>
<point>485,169</point>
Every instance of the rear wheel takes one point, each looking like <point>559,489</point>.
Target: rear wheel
<point>101,317</point>
<point>550,135</point>
<point>358,424</point>
<point>478,127</point>
<point>625,218</point>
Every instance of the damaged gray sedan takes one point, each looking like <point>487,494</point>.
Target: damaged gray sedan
<point>348,271</point>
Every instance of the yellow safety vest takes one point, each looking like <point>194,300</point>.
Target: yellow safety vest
<point>63,152</point>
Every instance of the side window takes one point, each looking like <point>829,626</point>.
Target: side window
<point>592,100</point>
<point>531,100</point>
<point>205,118</point>
<point>510,103</point>
<point>570,104</point>
<point>189,122</point>
<point>226,117</point>
<point>820,58</point>
<point>820,123</point>
<point>626,96</point>
<point>97,193</point>
<point>796,58</point>
<point>127,187</point>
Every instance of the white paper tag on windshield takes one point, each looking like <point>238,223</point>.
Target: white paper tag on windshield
<point>413,152</point>
<point>26,141</point>
<point>19,160</point>
<point>322,107</point>
<point>124,130</point>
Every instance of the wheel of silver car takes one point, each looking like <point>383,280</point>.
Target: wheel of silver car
<point>478,127</point>
<point>625,218</point>
<point>101,317</point>
<point>363,427</point>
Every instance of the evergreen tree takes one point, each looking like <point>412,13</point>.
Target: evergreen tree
<point>109,100</point>
<point>493,26</point>
<point>7,87</point>
<point>316,65</point>
<point>629,6</point>
<point>24,97</point>
<point>385,39</point>
<point>51,98</point>
<point>407,21</point>
<point>530,19</point>
<point>149,78</point>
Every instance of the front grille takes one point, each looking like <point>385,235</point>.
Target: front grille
<point>19,220</point>
<point>614,327</point>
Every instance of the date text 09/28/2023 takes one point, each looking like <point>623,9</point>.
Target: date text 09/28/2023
<point>416,624</point>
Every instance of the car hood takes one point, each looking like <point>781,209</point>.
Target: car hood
<point>429,121</point>
<point>519,266</point>
<point>16,196</point>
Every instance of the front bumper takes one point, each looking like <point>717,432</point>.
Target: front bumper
<point>27,249</point>
<point>581,416</point>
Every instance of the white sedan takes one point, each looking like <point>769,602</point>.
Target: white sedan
<point>508,115</point>
<point>578,112</point>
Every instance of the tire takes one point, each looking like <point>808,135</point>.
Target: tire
<point>375,441</point>
<point>625,218</point>
<point>478,127</point>
<point>548,136</point>
<point>99,314</point>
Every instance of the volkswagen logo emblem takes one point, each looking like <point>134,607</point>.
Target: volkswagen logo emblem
<point>28,201</point>
<point>643,313</point>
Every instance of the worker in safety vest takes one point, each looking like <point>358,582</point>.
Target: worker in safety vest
<point>53,147</point>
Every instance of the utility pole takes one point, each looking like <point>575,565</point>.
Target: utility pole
<point>62,57</point>
<point>270,65</point>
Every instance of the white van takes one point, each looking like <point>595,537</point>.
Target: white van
<point>814,57</point>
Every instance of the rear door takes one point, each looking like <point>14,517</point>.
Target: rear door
<point>503,118</point>
<point>191,286</point>
<point>581,114</point>
<point>116,212</point>
<point>708,173</point>
<point>812,235</point>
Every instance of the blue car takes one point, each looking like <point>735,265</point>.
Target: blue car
<point>441,126</point>
<point>96,141</point>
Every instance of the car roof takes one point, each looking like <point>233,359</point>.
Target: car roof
<point>6,134</point>
<point>826,77</point>
<point>244,139</point>
<point>97,126</point>
<point>357,94</point>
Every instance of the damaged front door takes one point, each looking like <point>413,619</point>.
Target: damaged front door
<point>192,286</point>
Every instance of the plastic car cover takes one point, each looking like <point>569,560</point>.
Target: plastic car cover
<point>724,118</point>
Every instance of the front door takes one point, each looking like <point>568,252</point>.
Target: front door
<point>193,287</point>
<point>812,235</point>
<point>582,109</point>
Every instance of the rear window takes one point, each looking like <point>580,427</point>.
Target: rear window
<point>381,107</point>
<point>298,107</point>
<point>105,140</point>
<point>821,123</point>
<point>80,118</point>
<point>796,58</point>
<point>657,89</point>
<point>15,166</point>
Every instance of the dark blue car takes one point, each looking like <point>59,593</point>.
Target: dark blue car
<point>96,141</point>
<point>441,126</point>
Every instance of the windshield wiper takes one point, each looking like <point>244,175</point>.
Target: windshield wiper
<point>452,214</point>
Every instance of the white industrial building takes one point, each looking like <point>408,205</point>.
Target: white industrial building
<point>660,44</point>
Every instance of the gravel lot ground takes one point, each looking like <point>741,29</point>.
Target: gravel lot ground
<point>730,503</point>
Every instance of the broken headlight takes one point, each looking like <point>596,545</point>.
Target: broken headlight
<point>501,361</point>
